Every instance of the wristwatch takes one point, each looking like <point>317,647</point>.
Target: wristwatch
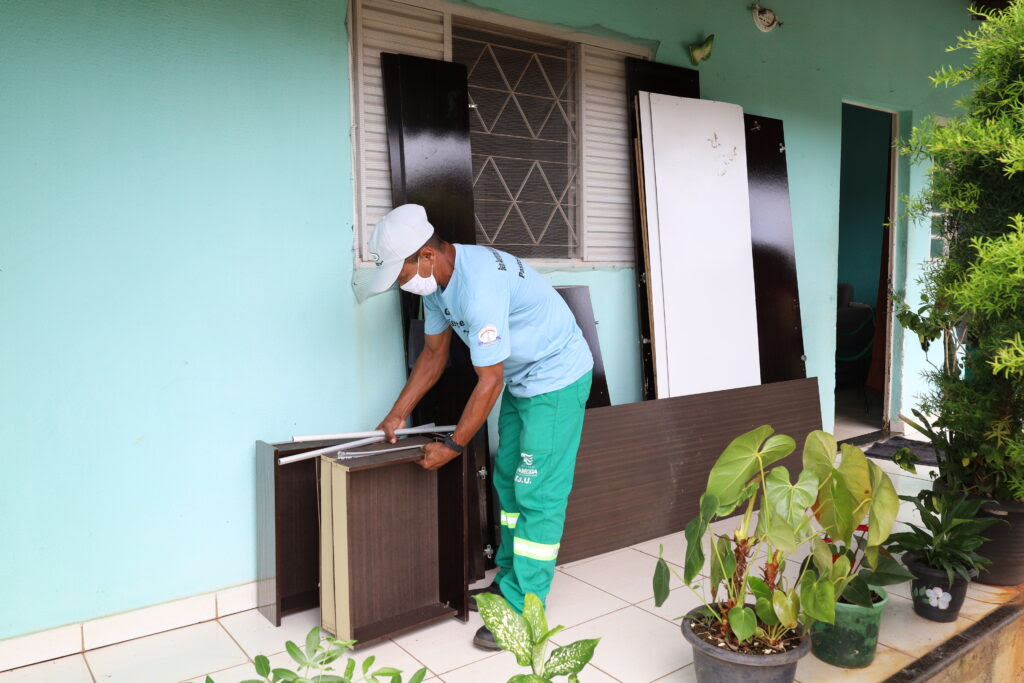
<point>449,442</point>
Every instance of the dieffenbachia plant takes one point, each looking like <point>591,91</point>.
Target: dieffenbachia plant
<point>526,636</point>
<point>856,506</point>
<point>749,605</point>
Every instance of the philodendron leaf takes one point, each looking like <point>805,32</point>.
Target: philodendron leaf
<point>510,629</point>
<point>818,597</point>
<point>743,622</point>
<point>885,505</point>
<point>528,678</point>
<point>694,534</point>
<point>766,611</point>
<point>791,500</point>
<point>840,568</point>
<point>855,473</point>
<point>723,563</point>
<point>661,582</point>
<point>781,535</point>
<point>822,556</point>
<point>886,572</point>
<point>857,592</point>
<point>820,454</point>
<point>284,675</point>
<point>759,588</point>
<point>787,607</point>
<point>741,460</point>
<point>533,612</point>
<point>570,659</point>
<point>419,676</point>
<point>312,641</point>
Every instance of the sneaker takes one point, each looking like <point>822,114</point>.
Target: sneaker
<point>492,588</point>
<point>484,639</point>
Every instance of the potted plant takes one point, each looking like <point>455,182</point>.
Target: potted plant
<point>527,637</point>
<point>753,623</point>
<point>856,506</point>
<point>972,299</point>
<point>942,555</point>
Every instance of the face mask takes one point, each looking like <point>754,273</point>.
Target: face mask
<point>421,285</point>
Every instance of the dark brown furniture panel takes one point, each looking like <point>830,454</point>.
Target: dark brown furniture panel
<point>287,530</point>
<point>665,79</point>
<point>642,466</point>
<point>779,331</point>
<point>427,106</point>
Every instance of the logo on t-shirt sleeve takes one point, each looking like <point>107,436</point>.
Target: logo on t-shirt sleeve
<point>487,336</point>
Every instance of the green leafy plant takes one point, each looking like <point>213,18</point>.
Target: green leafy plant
<point>526,636</point>
<point>972,298</point>
<point>314,665</point>
<point>748,597</point>
<point>856,506</point>
<point>950,535</point>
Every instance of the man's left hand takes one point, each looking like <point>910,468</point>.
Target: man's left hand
<point>435,455</point>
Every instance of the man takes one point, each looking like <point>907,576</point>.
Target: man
<point>521,336</point>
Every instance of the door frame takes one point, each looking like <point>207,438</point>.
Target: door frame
<point>891,210</point>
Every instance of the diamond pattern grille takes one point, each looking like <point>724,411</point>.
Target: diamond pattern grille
<point>523,139</point>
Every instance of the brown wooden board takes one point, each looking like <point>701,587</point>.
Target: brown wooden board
<point>779,331</point>
<point>287,532</point>
<point>665,79</point>
<point>427,106</point>
<point>642,467</point>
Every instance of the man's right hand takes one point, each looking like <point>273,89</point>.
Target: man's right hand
<point>389,424</point>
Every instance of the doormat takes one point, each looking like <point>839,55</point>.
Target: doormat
<point>885,450</point>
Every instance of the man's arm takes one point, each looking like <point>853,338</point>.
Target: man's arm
<point>489,384</point>
<point>425,373</point>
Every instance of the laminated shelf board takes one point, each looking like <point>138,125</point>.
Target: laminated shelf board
<point>380,534</point>
<point>698,244</point>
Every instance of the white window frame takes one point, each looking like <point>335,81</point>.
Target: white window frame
<point>603,228</point>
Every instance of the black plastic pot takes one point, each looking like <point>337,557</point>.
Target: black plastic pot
<point>934,596</point>
<point>1005,546</point>
<point>716,665</point>
<point>852,640</point>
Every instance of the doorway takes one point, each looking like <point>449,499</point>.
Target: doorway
<point>864,311</point>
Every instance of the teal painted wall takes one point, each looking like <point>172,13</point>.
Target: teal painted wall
<point>175,256</point>
<point>862,197</point>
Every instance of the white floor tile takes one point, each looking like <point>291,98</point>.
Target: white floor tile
<point>236,599</point>
<point>626,574</point>
<point>166,657</point>
<point>916,636</point>
<point>572,601</point>
<point>258,636</point>
<point>586,560</point>
<point>486,581</point>
<point>500,666</point>
<point>65,670</point>
<point>674,548</point>
<point>636,646</point>
<point>887,662</point>
<point>679,602</point>
<point>445,646</point>
<point>118,628</point>
<point>40,647</point>
<point>684,675</point>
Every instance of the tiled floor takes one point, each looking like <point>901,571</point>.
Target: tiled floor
<point>607,597</point>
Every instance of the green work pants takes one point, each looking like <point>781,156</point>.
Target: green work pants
<point>537,442</point>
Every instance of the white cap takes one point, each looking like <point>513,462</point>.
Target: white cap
<point>395,238</point>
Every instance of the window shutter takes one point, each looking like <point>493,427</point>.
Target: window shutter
<point>605,182</point>
<point>384,26</point>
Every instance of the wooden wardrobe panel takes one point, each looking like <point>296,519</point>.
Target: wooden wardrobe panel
<point>779,329</point>
<point>642,467</point>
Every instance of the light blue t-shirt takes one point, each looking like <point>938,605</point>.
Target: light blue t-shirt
<point>506,312</point>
